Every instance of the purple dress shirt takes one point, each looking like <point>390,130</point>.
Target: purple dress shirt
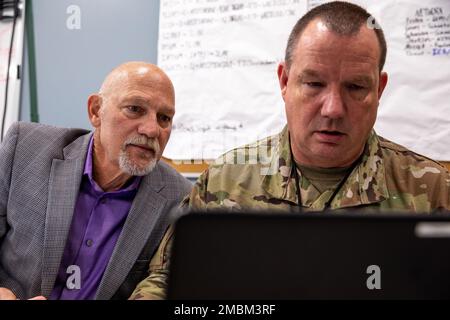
<point>97,222</point>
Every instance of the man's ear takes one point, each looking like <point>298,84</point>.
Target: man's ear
<point>282,77</point>
<point>382,83</point>
<point>94,106</point>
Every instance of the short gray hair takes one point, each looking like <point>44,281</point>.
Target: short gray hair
<point>340,17</point>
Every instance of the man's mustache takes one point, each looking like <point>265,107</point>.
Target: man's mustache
<point>143,141</point>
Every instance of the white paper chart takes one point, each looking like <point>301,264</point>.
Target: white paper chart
<point>222,56</point>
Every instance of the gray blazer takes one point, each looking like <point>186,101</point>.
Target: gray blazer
<point>40,174</point>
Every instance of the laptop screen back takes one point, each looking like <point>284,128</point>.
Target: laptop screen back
<point>295,256</point>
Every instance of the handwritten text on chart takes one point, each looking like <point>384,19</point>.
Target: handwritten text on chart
<point>428,32</point>
<point>186,24</point>
<point>207,127</point>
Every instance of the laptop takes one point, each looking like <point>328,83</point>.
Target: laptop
<point>275,255</point>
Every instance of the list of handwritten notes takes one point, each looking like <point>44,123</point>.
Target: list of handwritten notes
<point>222,57</point>
<point>191,31</point>
<point>428,32</point>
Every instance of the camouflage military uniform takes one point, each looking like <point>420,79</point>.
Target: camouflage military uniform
<point>259,175</point>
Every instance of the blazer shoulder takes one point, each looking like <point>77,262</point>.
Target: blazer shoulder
<point>40,142</point>
<point>25,129</point>
<point>37,135</point>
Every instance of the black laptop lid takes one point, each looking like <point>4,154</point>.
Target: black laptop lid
<point>305,256</point>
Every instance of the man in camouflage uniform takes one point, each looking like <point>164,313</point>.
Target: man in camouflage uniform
<point>388,177</point>
<point>328,156</point>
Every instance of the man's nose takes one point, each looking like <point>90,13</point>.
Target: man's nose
<point>149,126</point>
<point>333,106</point>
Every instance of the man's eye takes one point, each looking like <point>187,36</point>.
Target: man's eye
<point>314,84</point>
<point>134,109</point>
<point>164,118</point>
<point>355,87</point>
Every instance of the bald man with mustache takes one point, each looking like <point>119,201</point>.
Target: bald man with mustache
<point>81,213</point>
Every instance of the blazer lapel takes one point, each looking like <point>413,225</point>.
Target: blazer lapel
<point>144,215</point>
<point>64,183</point>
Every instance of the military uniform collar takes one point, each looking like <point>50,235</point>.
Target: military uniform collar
<point>365,185</point>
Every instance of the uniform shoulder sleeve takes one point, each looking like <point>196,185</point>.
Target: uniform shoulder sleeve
<point>417,178</point>
<point>154,287</point>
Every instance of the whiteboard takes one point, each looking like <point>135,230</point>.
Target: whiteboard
<point>13,74</point>
<point>222,56</point>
